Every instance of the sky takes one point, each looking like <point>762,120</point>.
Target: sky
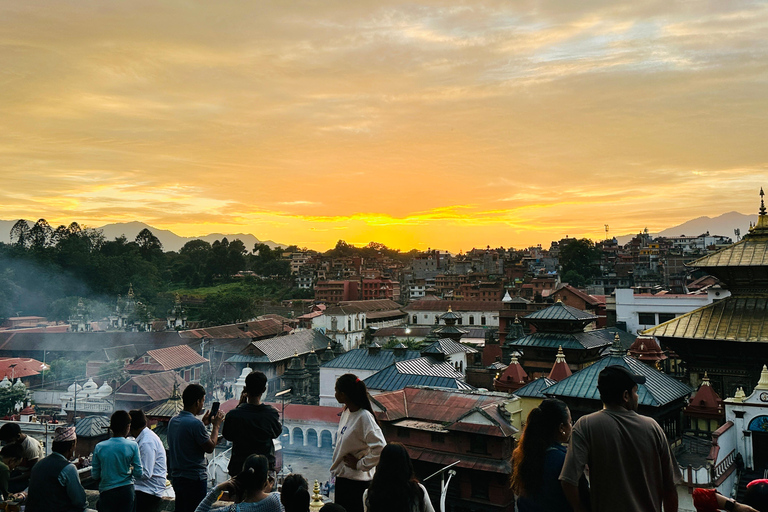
<point>448,125</point>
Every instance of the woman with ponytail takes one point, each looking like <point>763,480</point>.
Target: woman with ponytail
<point>250,490</point>
<point>539,457</point>
<point>359,442</point>
<point>394,487</point>
<point>294,494</point>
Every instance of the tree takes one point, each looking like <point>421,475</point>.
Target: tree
<point>150,247</point>
<point>580,257</point>
<point>20,234</point>
<point>40,235</point>
<point>10,397</point>
<point>228,308</point>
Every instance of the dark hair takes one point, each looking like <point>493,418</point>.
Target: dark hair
<point>757,495</point>
<point>119,421</point>
<point>138,419</point>
<point>192,394</point>
<point>332,507</point>
<point>255,383</point>
<point>613,381</point>
<point>394,486</point>
<point>295,493</point>
<point>9,432</point>
<point>540,433</point>
<point>12,451</point>
<point>254,474</point>
<point>62,447</point>
<point>356,392</point>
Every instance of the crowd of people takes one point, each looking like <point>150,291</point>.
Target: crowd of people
<point>132,466</point>
<point>625,454</point>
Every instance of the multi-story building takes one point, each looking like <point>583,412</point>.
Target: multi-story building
<point>336,291</point>
<point>440,427</point>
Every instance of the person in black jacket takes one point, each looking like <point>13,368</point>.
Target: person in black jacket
<point>251,426</point>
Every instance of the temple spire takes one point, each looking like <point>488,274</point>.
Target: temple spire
<point>762,202</point>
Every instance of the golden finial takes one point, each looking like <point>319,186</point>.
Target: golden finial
<point>317,500</point>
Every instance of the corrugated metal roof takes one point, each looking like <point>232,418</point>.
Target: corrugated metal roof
<point>179,356</point>
<point>428,366</point>
<point>561,312</point>
<point>85,341</point>
<point>157,386</point>
<point>573,341</point>
<point>454,409</point>
<point>365,359</point>
<point>246,358</point>
<point>283,347</point>
<point>168,409</point>
<point>447,346</point>
<point>267,325</point>
<point>735,318</point>
<point>535,388</point>
<point>659,388</point>
<point>422,371</point>
<point>92,426</point>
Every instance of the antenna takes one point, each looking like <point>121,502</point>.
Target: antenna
<point>737,232</point>
<point>606,231</point>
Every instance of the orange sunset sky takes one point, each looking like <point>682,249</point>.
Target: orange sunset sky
<point>431,124</point>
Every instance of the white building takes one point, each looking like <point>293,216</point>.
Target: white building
<point>641,311</point>
<point>471,312</point>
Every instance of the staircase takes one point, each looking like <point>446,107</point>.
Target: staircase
<point>746,477</point>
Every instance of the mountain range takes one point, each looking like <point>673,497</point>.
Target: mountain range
<point>170,240</point>
<point>724,224</point>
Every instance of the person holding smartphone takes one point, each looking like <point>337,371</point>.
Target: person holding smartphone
<point>252,425</point>
<point>188,442</point>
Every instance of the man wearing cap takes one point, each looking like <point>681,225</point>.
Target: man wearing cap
<point>251,426</point>
<point>630,465</point>
<point>55,485</point>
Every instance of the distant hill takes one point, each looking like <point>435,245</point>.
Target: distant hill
<point>721,225</point>
<point>170,240</point>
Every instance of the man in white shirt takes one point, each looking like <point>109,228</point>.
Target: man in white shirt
<point>151,485</point>
<point>10,433</point>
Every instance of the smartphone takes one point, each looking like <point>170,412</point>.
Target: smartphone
<point>214,410</point>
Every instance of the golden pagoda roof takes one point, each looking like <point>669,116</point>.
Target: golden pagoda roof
<point>741,318</point>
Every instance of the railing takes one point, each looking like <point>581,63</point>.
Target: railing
<point>724,468</point>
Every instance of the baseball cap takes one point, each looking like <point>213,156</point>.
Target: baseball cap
<point>618,377</point>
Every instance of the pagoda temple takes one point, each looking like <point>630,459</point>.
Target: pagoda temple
<point>560,327</point>
<point>727,339</point>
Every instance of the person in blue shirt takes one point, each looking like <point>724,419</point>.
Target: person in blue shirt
<point>539,457</point>
<point>116,462</point>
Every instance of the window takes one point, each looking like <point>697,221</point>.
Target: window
<point>482,320</point>
<point>471,320</point>
<point>646,318</point>
<point>134,389</point>
<point>461,321</point>
<point>666,317</point>
<point>478,444</point>
<point>415,319</point>
<point>479,486</point>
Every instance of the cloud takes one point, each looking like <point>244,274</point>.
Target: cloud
<point>535,117</point>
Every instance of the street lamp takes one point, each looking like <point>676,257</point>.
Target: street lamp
<point>443,482</point>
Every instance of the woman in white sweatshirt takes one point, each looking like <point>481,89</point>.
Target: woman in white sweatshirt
<point>359,442</point>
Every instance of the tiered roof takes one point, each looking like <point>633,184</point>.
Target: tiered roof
<point>659,389</point>
<point>706,403</point>
<point>422,371</point>
<point>647,349</point>
<point>560,370</point>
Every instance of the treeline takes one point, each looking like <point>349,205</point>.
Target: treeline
<point>44,270</point>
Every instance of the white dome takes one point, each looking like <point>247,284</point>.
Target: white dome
<point>90,385</point>
<point>105,389</point>
<point>5,383</point>
<point>19,385</point>
<point>74,386</point>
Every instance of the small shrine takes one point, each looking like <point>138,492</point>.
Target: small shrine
<point>513,378</point>
<point>704,413</point>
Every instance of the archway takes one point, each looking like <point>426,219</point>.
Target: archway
<point>759,429</point>
<point>326,440</point>
<point>298,437</point>
<point>311,438</point>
